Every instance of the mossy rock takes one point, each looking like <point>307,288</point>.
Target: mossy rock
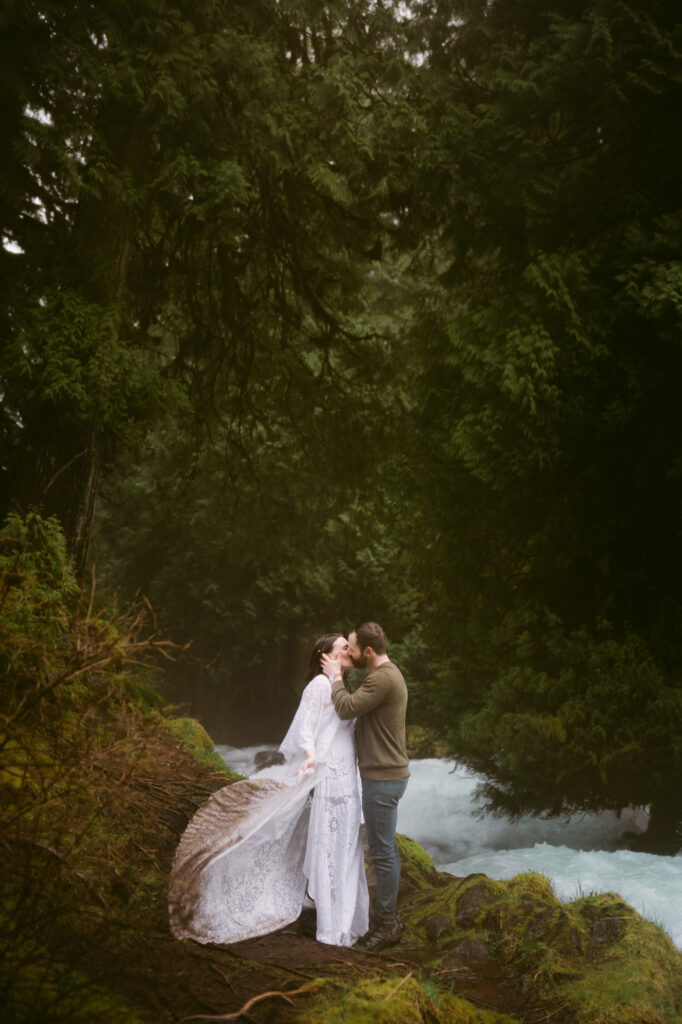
<point>417,870</point>
<point>518,917</point>
<point>595,957</point>
<point>635,973</point>
<point>193,736</point>
<point>396,1000</point>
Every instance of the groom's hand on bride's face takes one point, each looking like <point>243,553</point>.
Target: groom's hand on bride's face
<point>330,666</point>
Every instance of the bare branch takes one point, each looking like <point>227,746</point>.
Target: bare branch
<point>252,1002</point>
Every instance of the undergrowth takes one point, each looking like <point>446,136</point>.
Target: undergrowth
<point>97,782</point>
<point>96,785</point>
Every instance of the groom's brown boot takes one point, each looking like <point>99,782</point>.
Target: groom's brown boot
<point>384,932</point>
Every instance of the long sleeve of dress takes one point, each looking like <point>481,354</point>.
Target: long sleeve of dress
<point>304,730</point>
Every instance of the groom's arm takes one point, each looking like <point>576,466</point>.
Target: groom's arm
<point>367,696</point>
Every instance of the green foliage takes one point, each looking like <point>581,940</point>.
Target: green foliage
<point>37,579</point>
<point>37,597</point>
<point>72,362</point>
<point>95,791</point>
<point>571,718</point>
<point>192,193</point>
<point>549,488</point>
<point>252,543</point>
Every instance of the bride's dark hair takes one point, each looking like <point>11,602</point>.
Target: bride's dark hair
<point>322,646</point>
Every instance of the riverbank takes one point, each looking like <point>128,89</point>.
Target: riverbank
<point>98,782</point>
<point>92,938</point>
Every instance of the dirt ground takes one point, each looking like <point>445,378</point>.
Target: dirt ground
<point>218,981</point>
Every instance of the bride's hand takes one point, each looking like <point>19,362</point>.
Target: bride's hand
<point>309,765</point>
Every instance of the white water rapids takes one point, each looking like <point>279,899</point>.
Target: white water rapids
<point>579,855</point>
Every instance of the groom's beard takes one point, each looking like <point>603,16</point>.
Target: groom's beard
<point>360,662</point>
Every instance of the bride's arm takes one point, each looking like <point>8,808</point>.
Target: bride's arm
<point>302,733</point>
<point>314,697</point>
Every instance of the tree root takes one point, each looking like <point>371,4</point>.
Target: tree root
<point>251,1002</point>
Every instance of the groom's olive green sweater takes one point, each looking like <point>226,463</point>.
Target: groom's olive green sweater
<point>379,705</point>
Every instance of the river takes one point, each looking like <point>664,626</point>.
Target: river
<point>580,855</point>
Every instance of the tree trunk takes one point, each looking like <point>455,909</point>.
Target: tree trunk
<point>664,834</point>
<point>58,474</point>
<point>58,457</point>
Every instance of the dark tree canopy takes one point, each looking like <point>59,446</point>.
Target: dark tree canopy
<point>552,362</point>
<point>364,310</point>
<point>190,191</point>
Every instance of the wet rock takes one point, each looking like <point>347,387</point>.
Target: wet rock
<point>268,758</point>
<point>472,904</point>
<point>437,926</point>
<point>469,948</point>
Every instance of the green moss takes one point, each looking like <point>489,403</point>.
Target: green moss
<point>392,1000</point>
<point>465,901</point>
<point>415,863</point>
<point>142,692</point>
<point>193,735</point>
<point>637,979</point>
<point>596,957</point>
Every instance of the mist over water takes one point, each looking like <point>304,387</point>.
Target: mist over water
<point>580,855</point>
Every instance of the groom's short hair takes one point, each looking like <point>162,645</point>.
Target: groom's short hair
<point>370,634</point>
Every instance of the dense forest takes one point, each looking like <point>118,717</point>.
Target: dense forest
<point>319,312</point>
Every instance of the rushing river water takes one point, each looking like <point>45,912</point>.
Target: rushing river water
<point>580,855</point>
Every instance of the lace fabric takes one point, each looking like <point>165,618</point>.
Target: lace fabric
<point>247,857</point>
<point>315,726</point>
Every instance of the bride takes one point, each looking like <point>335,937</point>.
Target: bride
<point>259,850</point>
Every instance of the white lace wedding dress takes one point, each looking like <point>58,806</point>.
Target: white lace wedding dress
<point>248,856</point>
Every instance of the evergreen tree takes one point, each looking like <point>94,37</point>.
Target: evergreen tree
<point>188,185</point>
<point>549,174</point>
<point>274,523</point>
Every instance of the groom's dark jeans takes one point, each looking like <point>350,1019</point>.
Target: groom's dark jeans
<point>380,807</point>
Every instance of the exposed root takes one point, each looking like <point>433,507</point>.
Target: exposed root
<point>252,1002</point>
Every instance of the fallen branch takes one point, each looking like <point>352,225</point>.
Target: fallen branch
<point>247,1006</point>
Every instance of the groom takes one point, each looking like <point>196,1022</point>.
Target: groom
<point>379,705</point>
